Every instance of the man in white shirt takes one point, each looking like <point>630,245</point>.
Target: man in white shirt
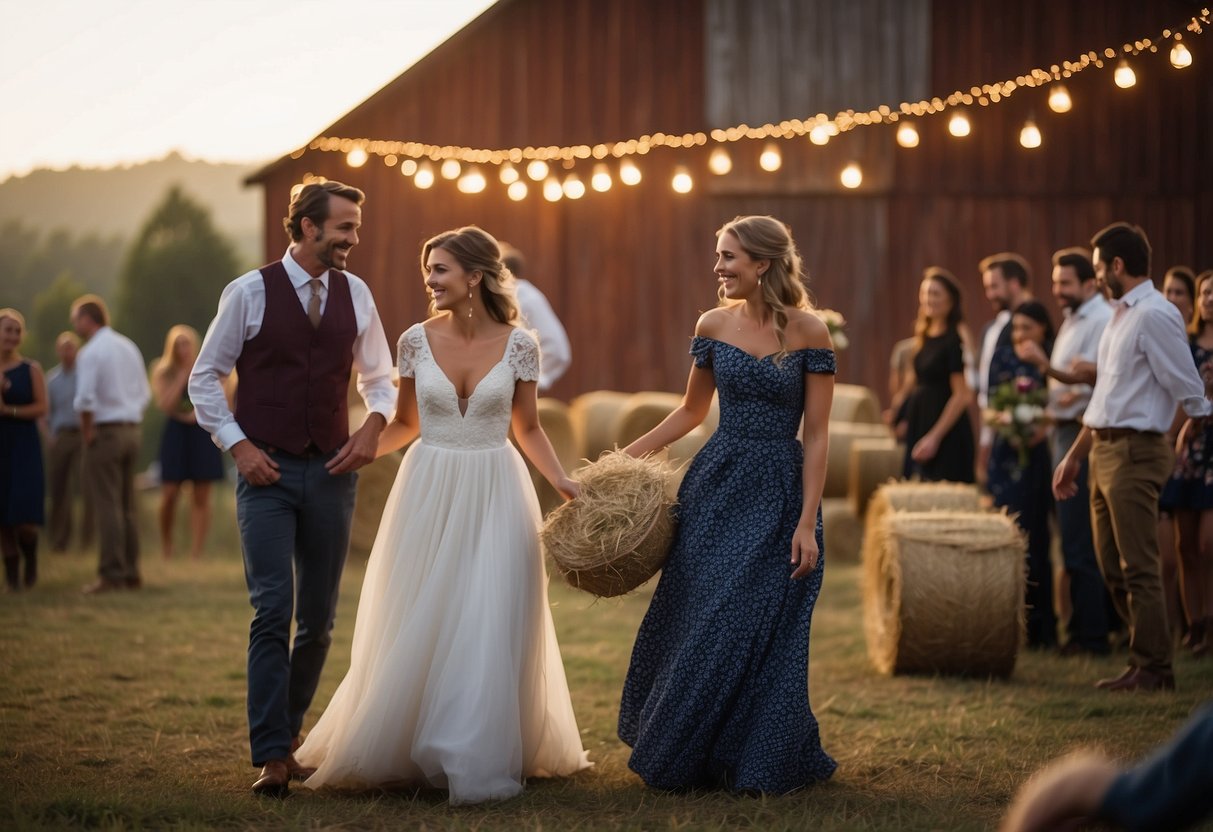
<point>1144,368</point>
<point>537,314</point>
<point>111,395</point>
<point>1004,276</point>
<point>295,330</point>
<point>1086,313</point>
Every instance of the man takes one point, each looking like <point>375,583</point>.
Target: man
<point>537,314</point>
<point>293,330</point>
<point>1144,368</point>
<point>1004,277</point>
<point>1086,312</point>
<point>111,395</point>
<point>66,450</point>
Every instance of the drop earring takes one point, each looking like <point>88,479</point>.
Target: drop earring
<point>469,301</point>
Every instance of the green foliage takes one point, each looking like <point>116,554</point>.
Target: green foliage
<point>49,317</point>
<point>173,274</point>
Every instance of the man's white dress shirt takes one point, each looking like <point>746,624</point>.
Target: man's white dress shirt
<point>111,379</point>
<point>1077,340</point>
<point>554,350</point>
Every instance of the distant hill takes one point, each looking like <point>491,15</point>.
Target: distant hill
<point>118,200</point>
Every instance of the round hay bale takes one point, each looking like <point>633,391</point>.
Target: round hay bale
<point>641,413</point>
<point>843,530</point>
<point>873,461</point>
<point>854,403</point>
<point>838,460</point>
<point>554,418</point>
<point>944,593</point>
<point>374,484</point>
<point>617,533</point>
<point>593,417</point>
<point>904,495</point>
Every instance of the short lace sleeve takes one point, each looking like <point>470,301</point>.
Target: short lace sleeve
<point>524,355</point>
<point>819,361</point>
<point>701,350</point>
<point>408,350</point>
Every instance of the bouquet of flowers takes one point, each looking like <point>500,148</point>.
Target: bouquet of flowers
<point>1016,412</point>
<point>835,323</point>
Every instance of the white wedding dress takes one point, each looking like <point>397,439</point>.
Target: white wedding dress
<point>455,676</point>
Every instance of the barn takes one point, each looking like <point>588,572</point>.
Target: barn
<point>628,269</point>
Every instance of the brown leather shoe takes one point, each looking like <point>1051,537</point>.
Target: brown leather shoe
<point>1108,684</point>
<point>274,780</point>
<point>100,586</point>
<point>1146,680</point>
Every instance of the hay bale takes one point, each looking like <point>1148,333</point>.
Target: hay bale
<point>374,484</point>
<point>556,423</point>
<point>873,462</point>
<point>843,530</point>
<point>854,403</point>
<point>838,460</point>
<point>617,533</point>
<point>944,593</point>
<point>593,417</point>
<point>914,496</point>
<point>641,413</point>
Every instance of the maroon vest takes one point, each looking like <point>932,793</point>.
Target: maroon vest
<point>293,378</point>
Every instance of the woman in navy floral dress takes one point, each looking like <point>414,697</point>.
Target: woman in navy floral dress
<point>717,691</point>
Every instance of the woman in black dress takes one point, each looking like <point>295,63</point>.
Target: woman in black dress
<point>938,434</point>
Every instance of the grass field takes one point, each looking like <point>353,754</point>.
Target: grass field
<point>126,711</point>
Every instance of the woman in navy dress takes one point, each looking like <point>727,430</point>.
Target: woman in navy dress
<point>717,691</point>
<point>22,401</point>
<point>938,435</point>
<point>1191,488</point>
<point>1026,490</point>
<point>187,453</point>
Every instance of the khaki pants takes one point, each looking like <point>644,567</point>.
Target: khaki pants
<point>109,472</point>
<point>1126,475</point>
<point>66,480</point>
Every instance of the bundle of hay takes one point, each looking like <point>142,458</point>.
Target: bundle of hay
<point>842,528</point>
<point>943,593</point>
<point>838,462</point>
<point>873,461</point>
<point>593,416</point>
<point>854,403</point>
<point>617,533</point>
<point>641,413</point>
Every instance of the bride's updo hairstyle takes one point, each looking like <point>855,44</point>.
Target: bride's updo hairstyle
<point>766,238</point>
<point>476,250</point>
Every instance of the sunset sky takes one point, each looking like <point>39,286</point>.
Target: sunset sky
<point>109,82</point>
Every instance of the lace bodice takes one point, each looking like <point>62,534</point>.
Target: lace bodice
<point>486,423</point>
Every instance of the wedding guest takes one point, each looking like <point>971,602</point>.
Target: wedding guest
<point>1004,277</point>
<point>66,450</point>
<point>1020,468</point>
<point>22,403</point>
<point>939,436</point>
<point>187,453</point>
<point>1144,367</point>
<point>537,314</point>
<point>111,394</point>
<point>717,692</point>
<point>1179,287</point>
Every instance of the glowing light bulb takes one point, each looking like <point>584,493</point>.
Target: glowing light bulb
<point>1124,76</point>
<point>517,190</point>
<point>720,162</point>
<point>907,135</point>
<point>1029,136</point>
<point>819,134</point>
<point>356,158</point>
<point>771,159</point>
<point>573,187</point>
<point>959,125</point>
<point>1180,56</point>
<point>537,169</point>
<point>629,174</point>
<point>851,176</point>
<point>508,174</point>
<point>424,177</point>
<point>408,167</point>
<point>552,191</point>
<point>601,180</point>
<point>471,182</point>
<point>682,182</point>
<point>1059,99</point>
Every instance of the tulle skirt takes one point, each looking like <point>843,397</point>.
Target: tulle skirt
<point>455,678</point>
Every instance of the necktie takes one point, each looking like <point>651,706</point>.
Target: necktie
<point>313,304</point>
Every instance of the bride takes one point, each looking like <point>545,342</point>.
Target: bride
<point>455,676</point>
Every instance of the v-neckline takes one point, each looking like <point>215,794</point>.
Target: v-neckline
<point>425,333</point>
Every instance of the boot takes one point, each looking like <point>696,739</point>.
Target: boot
<point>29,553</point>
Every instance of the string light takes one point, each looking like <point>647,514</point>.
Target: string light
<point>552,191</point>
<point>573,187</point>
<point>819,135</point>
<point>424,177</point>
<point>959,125</point>
<point>601,180</point>
<point>851,176</point>
<point>1029,136</point>
<point>450,169</point>
<point>471,182</point>
<point>771,158</point>
<point>720,162</point>
<point>517,190</point>
<point>1059,99</point>
<point>509,174</point>
<point>537,169</point>
<point>408,167</point>
<point>682,182</point>
<point>356,157</point>
<point>907,135</point>
<point>629,174</point>
<point>1124,76</point>
<point>1181,58</point>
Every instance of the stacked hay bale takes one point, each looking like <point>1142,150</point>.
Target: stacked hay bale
<point>855,403</point>
<point>943,582</point>
<point>641,413</point>
<point>593,418</point>
<point>842,522</point>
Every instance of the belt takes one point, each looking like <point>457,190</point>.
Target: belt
<point>117,424</point>
<point>1111,434</point>
<point>307,453</point>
